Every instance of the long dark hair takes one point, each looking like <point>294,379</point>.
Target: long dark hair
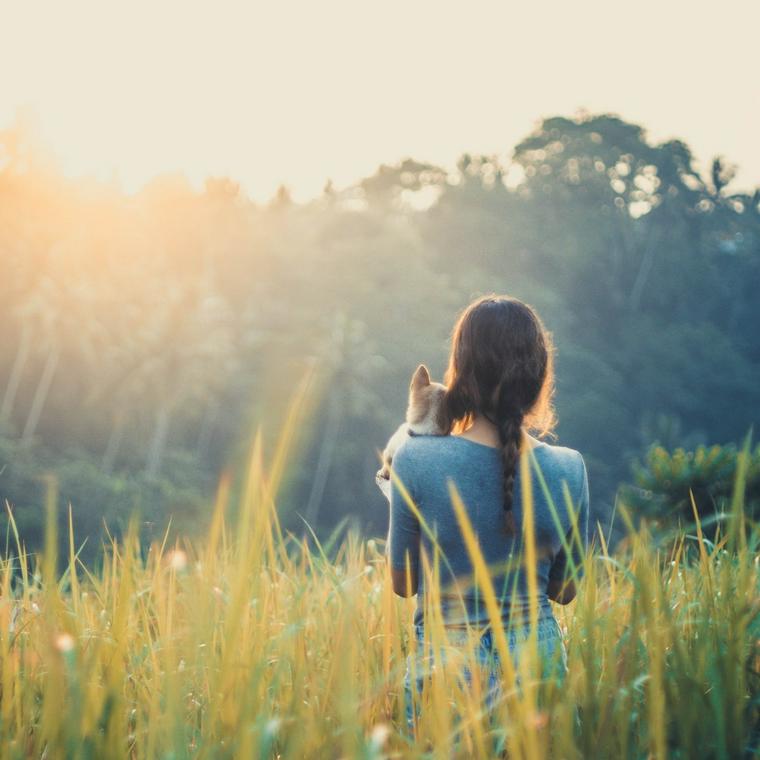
<point>501,366</point>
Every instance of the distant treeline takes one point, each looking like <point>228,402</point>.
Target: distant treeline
<point>144,338</point>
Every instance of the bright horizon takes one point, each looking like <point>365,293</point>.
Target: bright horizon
<point>296,94</point>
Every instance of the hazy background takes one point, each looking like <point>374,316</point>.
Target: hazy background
<point>296,92</point>
<point>199,203</point>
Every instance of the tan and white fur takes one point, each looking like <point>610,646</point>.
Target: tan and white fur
<point>422,418</point>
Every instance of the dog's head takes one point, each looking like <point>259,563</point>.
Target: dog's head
<point>425,398</point>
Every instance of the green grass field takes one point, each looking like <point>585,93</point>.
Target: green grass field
<point>251,644</point>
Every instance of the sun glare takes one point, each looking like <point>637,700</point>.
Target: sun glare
<point>299,93</point>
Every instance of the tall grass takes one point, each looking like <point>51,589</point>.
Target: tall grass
<point>256,643</point>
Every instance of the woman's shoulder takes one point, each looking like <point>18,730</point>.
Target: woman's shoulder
<point>554,450</point>
<point>422,449</point>
<point>428,449</point>
<point>420,444</point>
<point>417,445</point>
<point>559,461</point>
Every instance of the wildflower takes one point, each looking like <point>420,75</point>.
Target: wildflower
<point>540,720</point>
<point>177,560</point>
<point>379,735</point>
<point>64,642</point>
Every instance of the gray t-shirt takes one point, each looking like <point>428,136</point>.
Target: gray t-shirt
<point>425,464</point>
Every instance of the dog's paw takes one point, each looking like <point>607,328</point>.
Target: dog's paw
<point>384,484</point>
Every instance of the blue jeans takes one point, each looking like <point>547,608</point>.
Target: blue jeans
<point>551,651</point>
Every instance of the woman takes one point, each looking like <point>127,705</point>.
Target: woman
<point>500,383</point>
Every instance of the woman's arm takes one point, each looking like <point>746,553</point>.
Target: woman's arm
<point>404,584</point>
<point>563,574</point>
<point>403,546</point>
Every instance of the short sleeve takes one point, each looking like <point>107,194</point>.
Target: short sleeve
<point>561,568</point>
<point>404,527</point>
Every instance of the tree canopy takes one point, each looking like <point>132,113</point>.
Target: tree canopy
<point>145,337</point>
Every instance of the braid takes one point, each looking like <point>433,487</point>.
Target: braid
<point>510,435</point>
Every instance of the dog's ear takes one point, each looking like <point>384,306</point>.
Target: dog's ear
<point>420,378</point>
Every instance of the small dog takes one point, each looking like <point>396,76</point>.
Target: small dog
<point>422,418</point>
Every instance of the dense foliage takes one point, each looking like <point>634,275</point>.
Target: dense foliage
<point>671,487</point>
<point>144,336</point>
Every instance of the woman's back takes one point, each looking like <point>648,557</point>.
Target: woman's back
<point>425,464</point>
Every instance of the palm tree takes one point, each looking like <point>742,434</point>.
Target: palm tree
<point>348,357</point>
<point>193,356</point>
<point>44,313</point>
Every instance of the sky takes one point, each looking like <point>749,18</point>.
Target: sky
<point>287,92</point>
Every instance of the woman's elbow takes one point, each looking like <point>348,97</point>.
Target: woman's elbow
<point>567,597</point>
<point>404,584</point>
<point>562,594</point>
